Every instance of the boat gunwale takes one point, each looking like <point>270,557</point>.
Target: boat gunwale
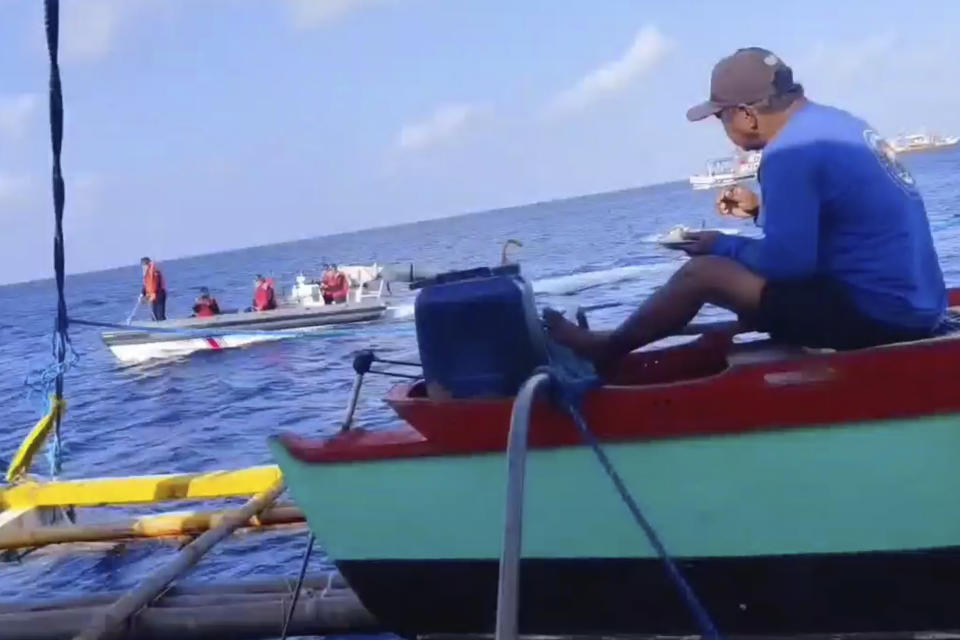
<point>405,441</point>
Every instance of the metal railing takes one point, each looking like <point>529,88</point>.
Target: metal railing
<point>508,596</point>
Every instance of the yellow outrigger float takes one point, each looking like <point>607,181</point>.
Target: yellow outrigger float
<point>32,514</point>
<point>30,511</point>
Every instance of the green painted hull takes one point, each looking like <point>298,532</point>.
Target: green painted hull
<point>880,486</point>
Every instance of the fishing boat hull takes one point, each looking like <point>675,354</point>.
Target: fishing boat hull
<point>173,338</point>
<point>839,527</point>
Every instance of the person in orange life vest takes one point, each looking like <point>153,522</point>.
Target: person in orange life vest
<point>336,287</point>
<point>205,305</point>
<point>327,283</point>
<point>154,288</point>
<point>264,298</point>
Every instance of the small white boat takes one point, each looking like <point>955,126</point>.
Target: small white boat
<point>922,142</point>
<point>304,311</point>
<point>724,172</point>
<point>171,338</point>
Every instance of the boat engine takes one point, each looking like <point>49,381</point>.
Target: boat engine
<point>478,332</point>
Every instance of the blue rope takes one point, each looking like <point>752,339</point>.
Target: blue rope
<point>571,378</point>
<point>51,378</point>
<point>707,628</point>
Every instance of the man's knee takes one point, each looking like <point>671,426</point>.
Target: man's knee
<point>721,281</point>
<point>705,269</point>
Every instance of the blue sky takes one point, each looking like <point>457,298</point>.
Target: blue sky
<point>200,125</point>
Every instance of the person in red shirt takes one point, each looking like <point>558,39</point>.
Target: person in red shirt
<point>336,286</point>
<point>154,288</point>
<point>264,298</point>
<point>205,305</point>
<point>326,283</point>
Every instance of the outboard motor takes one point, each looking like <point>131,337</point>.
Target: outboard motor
<point>479,332</point>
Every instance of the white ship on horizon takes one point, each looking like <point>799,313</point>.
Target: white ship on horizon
<point>909,143</point>
<point>723,172</point>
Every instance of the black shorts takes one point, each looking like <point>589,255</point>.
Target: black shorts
<point>819,313</point>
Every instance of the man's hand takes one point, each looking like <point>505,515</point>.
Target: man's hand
<point>738,202</point>
<point>701,242</point>
<point>553,320</point>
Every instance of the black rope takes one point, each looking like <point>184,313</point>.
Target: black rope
<point>61,338</point>
<point>395,374</point>
<point>402,363</point>
<point>296,593</point>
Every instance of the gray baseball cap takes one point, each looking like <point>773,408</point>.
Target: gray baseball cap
<point>749,76</point>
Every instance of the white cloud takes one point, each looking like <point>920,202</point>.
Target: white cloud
<point>309,14</point>
<point>89,28</point>
<point>845,60</point>
<point>15,191</point>
<point>646,50</point>
<point>16,112</point>
<point>893,81</point>
<point>447,122</point>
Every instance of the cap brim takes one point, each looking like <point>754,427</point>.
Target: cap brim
<point>703,110</point>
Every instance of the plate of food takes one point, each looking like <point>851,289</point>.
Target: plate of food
<point>676,238</point>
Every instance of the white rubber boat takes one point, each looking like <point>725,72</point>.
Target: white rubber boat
<point>172,338</point>
<point>303,311</point>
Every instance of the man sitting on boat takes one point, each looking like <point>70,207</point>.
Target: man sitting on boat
<point>205,305</point>
<point>264,297</point>
<point>847,259</point>
<point>154,288</point>
<point>335,286</point>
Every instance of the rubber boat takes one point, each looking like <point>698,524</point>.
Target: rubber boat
<point>304,311</point>
<point>799,492</point>
<point>179,337</point>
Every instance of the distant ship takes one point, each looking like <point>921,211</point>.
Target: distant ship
<point>922,142</point>
<point>724,172</point>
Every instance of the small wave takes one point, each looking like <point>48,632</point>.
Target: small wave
<point>565,285</point>
<point>400,312</point>
<point>576,282</point>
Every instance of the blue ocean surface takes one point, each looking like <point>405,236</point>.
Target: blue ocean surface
<point>214,410</point>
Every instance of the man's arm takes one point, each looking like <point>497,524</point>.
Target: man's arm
<point>791,213</point>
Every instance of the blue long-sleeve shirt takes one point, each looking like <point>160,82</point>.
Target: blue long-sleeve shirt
<point>837,203</point>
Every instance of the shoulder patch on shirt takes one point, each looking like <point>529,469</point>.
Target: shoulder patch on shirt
<point>887,158</point>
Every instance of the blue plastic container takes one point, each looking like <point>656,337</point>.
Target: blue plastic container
<point>478,332</point>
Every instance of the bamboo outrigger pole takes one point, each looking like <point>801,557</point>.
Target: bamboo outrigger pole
<point>164,525</point>
<point>115,615</point>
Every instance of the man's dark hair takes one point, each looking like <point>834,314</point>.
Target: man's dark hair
<point>144,260</point>
<point>787,93</point>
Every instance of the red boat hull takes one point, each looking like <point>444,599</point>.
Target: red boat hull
<point>711,387</point>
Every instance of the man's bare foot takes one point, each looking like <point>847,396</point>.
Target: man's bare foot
<point>583,342</point>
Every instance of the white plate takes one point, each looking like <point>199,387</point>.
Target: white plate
<point>676,245</point>
<point>680,244</point>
